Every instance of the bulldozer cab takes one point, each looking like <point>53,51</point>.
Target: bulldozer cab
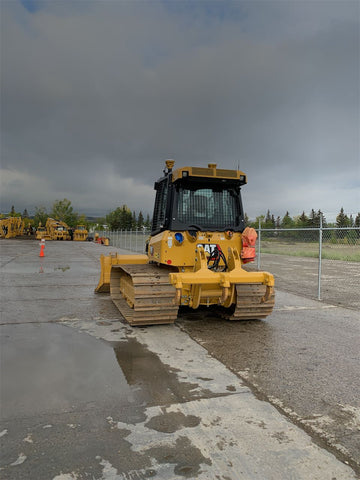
<point>185,201</point>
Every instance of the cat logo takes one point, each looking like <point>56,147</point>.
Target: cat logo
<point>208,247</point>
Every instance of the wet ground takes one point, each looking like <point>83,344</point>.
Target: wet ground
<point>304,360</point>
<point>85,396</point>
<point>299,275</point>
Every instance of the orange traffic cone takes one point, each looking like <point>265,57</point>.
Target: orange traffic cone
<point>42,247</point>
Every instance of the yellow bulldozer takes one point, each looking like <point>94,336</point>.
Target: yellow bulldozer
<point>42,233</point>
<point>195,253</point>
<point>80,233</point>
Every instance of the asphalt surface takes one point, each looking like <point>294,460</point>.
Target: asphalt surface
<point>299,275</point>
<point>85,396</point>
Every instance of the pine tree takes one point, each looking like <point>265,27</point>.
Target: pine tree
<point>357,224</point>
<point>140,221</point>
<point>357,221</point>
<point>269,220</point>
<point>342,220</point>
<point>134,221</point>
<point>313,219</point>
<point>148,222</point>
<point>302,221</point>
<point>287,221</point>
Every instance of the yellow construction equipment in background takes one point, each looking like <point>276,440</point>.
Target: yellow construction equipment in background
<point>53,230</point>
<point>41,233</point>
<point>11,227</point>
<point>80,233</point>
<point>195,254</point>
<point>57,229</point>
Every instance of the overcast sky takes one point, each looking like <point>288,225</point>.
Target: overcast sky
<point>95,95</point>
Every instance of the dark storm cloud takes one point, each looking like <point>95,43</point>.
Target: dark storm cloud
<point>96,95</point>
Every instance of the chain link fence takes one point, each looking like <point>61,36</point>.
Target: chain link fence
<point>321,263</point>
<point>132,240</point>
<point>333,243</point>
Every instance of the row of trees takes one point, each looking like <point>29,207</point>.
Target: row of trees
<point>122,218</point>
<point>313,221</point>
<point>304,221</point>
<point>61,210</point>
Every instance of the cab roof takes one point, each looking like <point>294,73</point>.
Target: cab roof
<point>210,172</point>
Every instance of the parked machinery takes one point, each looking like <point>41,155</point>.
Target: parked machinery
<point>80,233</point>
<point>57,230</point>
<point>11,227</point>
<point>195,253</point>
<point>41,233</point>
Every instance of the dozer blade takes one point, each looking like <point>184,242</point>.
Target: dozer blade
<point>241,295</point>
<point>106,262</point>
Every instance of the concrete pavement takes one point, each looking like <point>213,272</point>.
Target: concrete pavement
<point>85,396</point>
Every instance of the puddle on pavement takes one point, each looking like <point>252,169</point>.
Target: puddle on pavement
<point>170,422</point>
<point>63,269</point>
<point>154,382</point>
<point>51,367</point>
<point>187,458</point>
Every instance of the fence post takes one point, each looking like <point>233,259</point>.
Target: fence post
<point>259,246</point>
<point>320,255</point>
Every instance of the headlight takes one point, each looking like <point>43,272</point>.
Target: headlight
<point>179,237</point>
